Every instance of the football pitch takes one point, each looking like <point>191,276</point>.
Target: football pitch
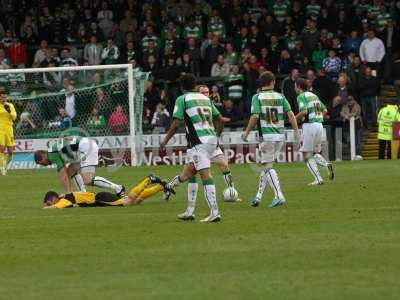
<point>337,241</point>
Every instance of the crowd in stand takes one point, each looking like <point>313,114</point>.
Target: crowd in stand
<point>345,49</point>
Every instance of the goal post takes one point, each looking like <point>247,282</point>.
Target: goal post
<point>100,102</point>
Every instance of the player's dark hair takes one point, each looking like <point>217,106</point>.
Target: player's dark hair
<point>38,155</point>
<point>302,84</point>
<point>188,82</point>
<point>267,78</point>
<point>49,195</point>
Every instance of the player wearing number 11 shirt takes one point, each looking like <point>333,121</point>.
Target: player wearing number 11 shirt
<point>268,109</point>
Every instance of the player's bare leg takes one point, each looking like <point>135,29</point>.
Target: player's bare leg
<point>226,172</point>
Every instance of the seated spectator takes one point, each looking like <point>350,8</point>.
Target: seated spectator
<point>118,120</point>
<point>332,65</point>
<point>215,96</point>
<point>187,65</point>
<point>220,68</point>
<point>234,83</point>
<point>161,119</point>
<point>96,120</point>
<point>61,121</point>
<point>110,53</point>
<point>4,61</point>
<point>230,112</point>
<point>349,110</point>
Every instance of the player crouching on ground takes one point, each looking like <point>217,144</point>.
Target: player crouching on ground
<point>77,159</point>
<point>311,113</point>
<point>148,187</point>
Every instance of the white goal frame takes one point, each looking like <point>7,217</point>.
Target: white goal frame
<point>131,92</point>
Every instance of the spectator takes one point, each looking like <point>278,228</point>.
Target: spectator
<point>234,84</point>
<point>396,72</point>
<point>313,9</point>
<point>280,10</point>
<point>4,61</point>
<point>310,37</point>
<point>110,53</point>
<point>332,65</point>
<point>129,53</point>
<point>26,123</point>
<point>149,36</point>
<point>318,56</point>
<point>215,96</point>
<point>288,89</point>
<point>92,52</point>
<point>127,21</point>
<point>70,109</point>
<point>285,63</point>
<point>193,30</point>
<point>96,31</point>
<point>102,102</point>
<point>230,112</point>
<point>187,65</point>
<point>66,59</point>
<point>368,86</point>
<point>105,18</point>
<point>215,25</point>
<point>118,120</point>
<point>18,53</point>
<point>96,120</point>
<point>212,53</point>
<point>386,116</point>
<point>354,72</point>
<point>352,43</point>
<point>61,121</point>
<point>372,50</point>
<point>349,110</point>
<point>342,94</point>
<point>298,56</point>
<point>52,79</point>
<point>160,120</point>
<point>391,39</point>
<point>231,56</point>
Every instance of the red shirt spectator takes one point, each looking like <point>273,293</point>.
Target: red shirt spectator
<point>118,120</point>
<point>17,53</point>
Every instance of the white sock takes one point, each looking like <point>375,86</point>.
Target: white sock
<point>78,180</point>
<point>273,181</point>
<point>101,182</point>
<point>312,166</point>
<point>192,190</point>
<point>262,183</point>
<point>228,179</point>
<point>174,182</point>
<point>320,160</point>
<point>211,198</point>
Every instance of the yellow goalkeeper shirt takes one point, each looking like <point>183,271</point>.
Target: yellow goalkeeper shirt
<point>7,119</point>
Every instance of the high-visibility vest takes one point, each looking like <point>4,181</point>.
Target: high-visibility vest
<point>386,117</point>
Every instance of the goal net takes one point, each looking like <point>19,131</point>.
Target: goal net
<point>101,102</point>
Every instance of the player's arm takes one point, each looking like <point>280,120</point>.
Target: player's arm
<point>62,203</point>
<point>255,114</point>
<point>178,116</point>
<point>11,110</point>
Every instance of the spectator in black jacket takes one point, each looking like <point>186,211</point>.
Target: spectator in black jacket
<point>230,112</point>
<point>369,87</point>
<point>288,89</point>
<point>211,54</point>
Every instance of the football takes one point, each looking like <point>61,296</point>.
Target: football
<point>230,194</point>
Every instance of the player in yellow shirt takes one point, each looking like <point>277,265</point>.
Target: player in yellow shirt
<point>148,187</point>
<point>7,118</point>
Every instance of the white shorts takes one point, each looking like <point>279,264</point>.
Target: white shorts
<point>88,153</point>
<point>312,137</point>
<point>201,155</point>
<point>217,152</point>
<point>269,151</point>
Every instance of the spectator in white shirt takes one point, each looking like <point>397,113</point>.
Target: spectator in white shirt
<point>40,54</point>
<point>372,50</point>
<point>220,68</point>
<point>105,18</point>
<point>70,102</point>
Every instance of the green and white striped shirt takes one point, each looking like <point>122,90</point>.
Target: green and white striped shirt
<point>198,113</point>
<point>196,32</point>
<point>280,11</point>
<point>271,107</point>
<point>309,102</point>
<point>381,21</point>
<point>313,10</point>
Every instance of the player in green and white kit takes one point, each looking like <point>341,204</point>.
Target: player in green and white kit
<point>268,109</point>
<point>198,112</point>
<point>311,113</point>
<point>73,155</point>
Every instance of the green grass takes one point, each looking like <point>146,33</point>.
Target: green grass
<point>337,241</point>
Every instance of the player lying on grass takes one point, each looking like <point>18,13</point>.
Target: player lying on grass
<point>311,113</point>
<point>148,187</point>
<point>77,159</point>
<point>198,113</point>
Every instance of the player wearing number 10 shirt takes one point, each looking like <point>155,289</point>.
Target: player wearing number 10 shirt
<point>268,109</point>
<point>311,112</point>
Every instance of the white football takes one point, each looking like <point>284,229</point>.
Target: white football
<point>230,194</point>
